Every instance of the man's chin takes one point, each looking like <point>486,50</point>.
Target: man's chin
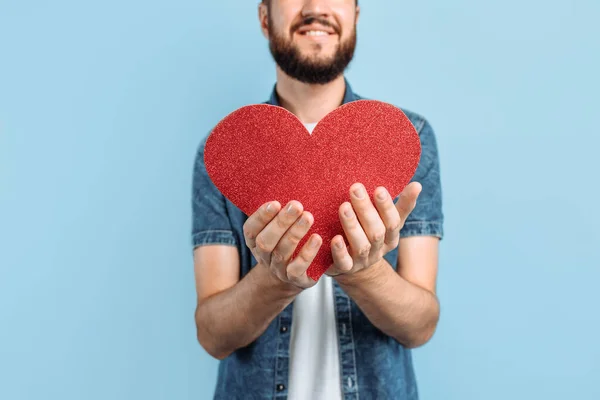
<point>317,51</point>
<point>319,59</point>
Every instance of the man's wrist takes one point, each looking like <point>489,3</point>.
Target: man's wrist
<point>370,274</point>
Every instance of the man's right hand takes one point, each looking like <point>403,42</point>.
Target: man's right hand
<point>272,233</point>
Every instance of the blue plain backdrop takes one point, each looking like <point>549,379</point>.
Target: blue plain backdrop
<point>102,105</point>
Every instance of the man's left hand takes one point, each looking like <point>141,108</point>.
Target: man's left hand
<point>372,230</point>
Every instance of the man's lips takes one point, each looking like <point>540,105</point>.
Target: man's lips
<point>316,30</point>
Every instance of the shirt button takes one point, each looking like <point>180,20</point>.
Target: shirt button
<point>283,329</point>
<point>280,387</point>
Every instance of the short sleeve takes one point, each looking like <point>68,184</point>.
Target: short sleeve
<point>427,218</point>
<point>210,220</point>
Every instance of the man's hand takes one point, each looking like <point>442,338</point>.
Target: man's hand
<point>372,230</point>
<point>273,233</point>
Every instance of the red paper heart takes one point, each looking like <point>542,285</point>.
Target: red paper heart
<point>261,153</point>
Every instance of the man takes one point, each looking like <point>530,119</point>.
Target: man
<point>277,333</point>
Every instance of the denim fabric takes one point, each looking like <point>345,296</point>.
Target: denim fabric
<point>372,364</point>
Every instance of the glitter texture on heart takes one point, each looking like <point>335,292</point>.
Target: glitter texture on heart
<point>261,153</point>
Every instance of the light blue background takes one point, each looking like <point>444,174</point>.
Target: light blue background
<point>102,106</point>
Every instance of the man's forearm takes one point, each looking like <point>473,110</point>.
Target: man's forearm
<point>237,316</point>
<point>397,307</point>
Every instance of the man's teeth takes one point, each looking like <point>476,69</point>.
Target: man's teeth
<point>316,33</point>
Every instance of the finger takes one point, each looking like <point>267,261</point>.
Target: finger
<point>360,247</point>
<point>390,216</point>
<point>268,238</point>
<point>368,216</point>
<point>408,199</point>
<point>296,269</point>
<point>284,250</point>
<point>257,222</point>
<point>342,261</point>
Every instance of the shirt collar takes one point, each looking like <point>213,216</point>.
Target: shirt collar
<point>348,95</point>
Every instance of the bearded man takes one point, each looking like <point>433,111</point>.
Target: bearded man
<point>277,333</point>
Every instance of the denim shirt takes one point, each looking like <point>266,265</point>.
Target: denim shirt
<point>373,365</point>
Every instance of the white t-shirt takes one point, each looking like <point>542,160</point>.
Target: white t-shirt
<point>314,355</point>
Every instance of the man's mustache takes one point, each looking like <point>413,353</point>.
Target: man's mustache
<point>312,20</point>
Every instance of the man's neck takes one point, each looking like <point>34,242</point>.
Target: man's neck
<point>308,102</point>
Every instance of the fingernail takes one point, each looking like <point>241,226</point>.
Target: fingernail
<point>302,222</point>
<point>382,195</point>
<point>314,242</point>
<point>269,207</point>
<point>339,244</point>
<point>347,212</point>
<point>359,193</point>
<point>289,209</point>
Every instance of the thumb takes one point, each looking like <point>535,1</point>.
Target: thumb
<point>408,199</point>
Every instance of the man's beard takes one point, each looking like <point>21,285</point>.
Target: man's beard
<point>306,69</point>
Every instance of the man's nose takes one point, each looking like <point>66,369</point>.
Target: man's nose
<point>316,8</point>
